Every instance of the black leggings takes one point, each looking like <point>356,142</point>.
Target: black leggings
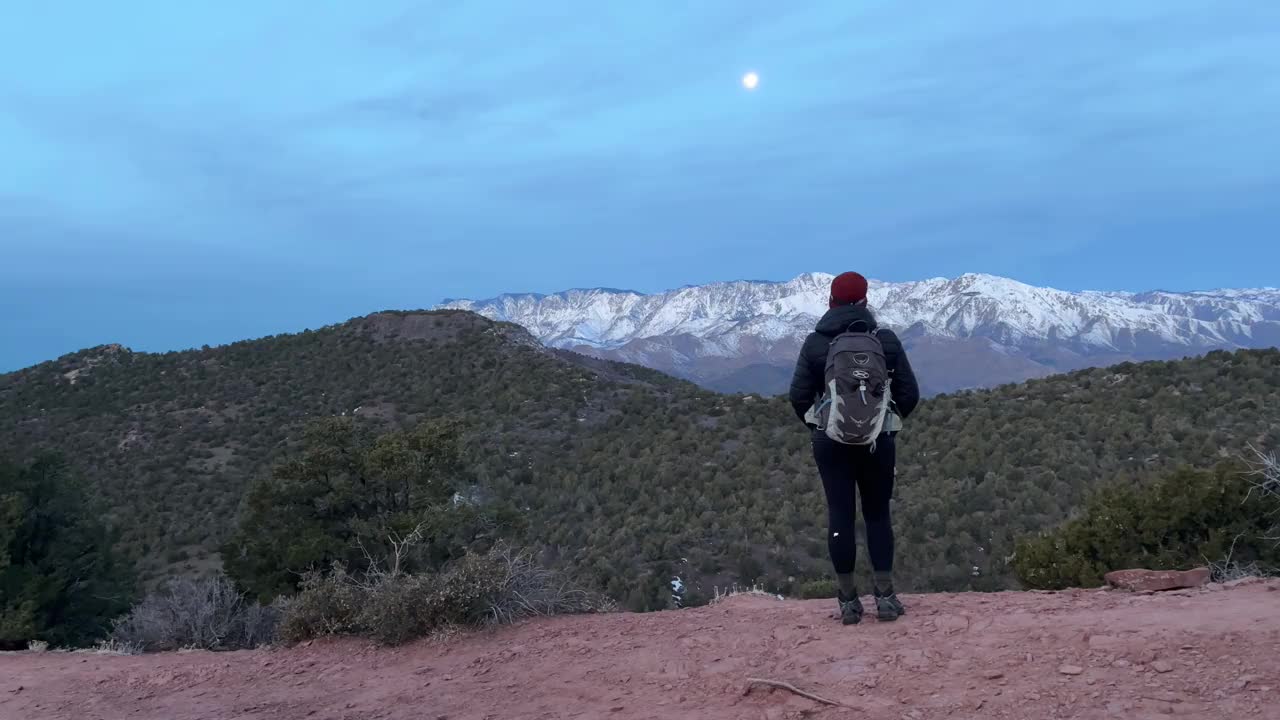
<point>842,467</point>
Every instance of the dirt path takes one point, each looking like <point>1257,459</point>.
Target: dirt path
<point>1211,653</point>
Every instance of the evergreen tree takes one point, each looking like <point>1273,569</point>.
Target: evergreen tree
<point>1188,518</point>
<point>352,495</point>
<point>60,582</point>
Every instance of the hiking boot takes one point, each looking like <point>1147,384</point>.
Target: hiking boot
<point>888,606</point>
<point>850,609</point>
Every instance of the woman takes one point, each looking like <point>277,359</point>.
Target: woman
<point>842,467</point>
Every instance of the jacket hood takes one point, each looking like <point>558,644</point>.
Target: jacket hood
<point>838,319</point>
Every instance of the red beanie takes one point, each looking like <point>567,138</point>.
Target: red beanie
<point>847,289</point>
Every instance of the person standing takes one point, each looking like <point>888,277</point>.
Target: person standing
<point>871,467</point>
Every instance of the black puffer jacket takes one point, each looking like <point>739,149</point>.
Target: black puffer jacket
<point>811,367</point>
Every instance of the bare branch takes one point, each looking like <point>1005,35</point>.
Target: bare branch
<point>793,689</point>
<point>400,546</point>
<point>1228,569</point>
<point>1263,475</point>
<point>372,561</point>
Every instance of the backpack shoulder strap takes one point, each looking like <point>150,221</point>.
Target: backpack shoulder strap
<point>892,346</point>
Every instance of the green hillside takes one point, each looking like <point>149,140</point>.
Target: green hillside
<point>623,474</point>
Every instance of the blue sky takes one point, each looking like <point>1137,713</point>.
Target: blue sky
<point>174,174</point>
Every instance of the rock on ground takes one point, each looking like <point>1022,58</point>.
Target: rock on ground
<point>1197,653</point>
<point>1157,580</point>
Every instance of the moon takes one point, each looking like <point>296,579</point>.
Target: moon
<point>750,81</point>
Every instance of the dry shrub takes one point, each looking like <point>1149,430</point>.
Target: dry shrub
<point>381,605</point>
<point>205,613</point>
<point>112,646</point>
<point>525,589</point>
<point>501,586</point>
<point>735,591</point>
<point>326,605</point>
<point>1228,569</point>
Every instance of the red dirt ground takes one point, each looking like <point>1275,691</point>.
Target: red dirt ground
<point>1207,653</point>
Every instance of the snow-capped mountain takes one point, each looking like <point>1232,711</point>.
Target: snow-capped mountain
<point>971,331</point>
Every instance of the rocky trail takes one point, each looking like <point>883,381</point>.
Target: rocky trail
<point>1211,652</point>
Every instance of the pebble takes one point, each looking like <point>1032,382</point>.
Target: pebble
<point>1243,682</point>
<point>1161,666</point>
<point>992,675</point>
<point>1071,670</point>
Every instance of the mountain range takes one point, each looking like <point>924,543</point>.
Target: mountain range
<point>967,332</point>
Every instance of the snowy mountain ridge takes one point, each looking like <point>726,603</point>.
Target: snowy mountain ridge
<point>742,323</point>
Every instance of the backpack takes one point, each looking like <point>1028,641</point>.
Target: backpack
<point>856,397</point>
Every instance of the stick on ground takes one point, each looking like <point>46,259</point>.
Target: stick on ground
<point>792,688</point>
